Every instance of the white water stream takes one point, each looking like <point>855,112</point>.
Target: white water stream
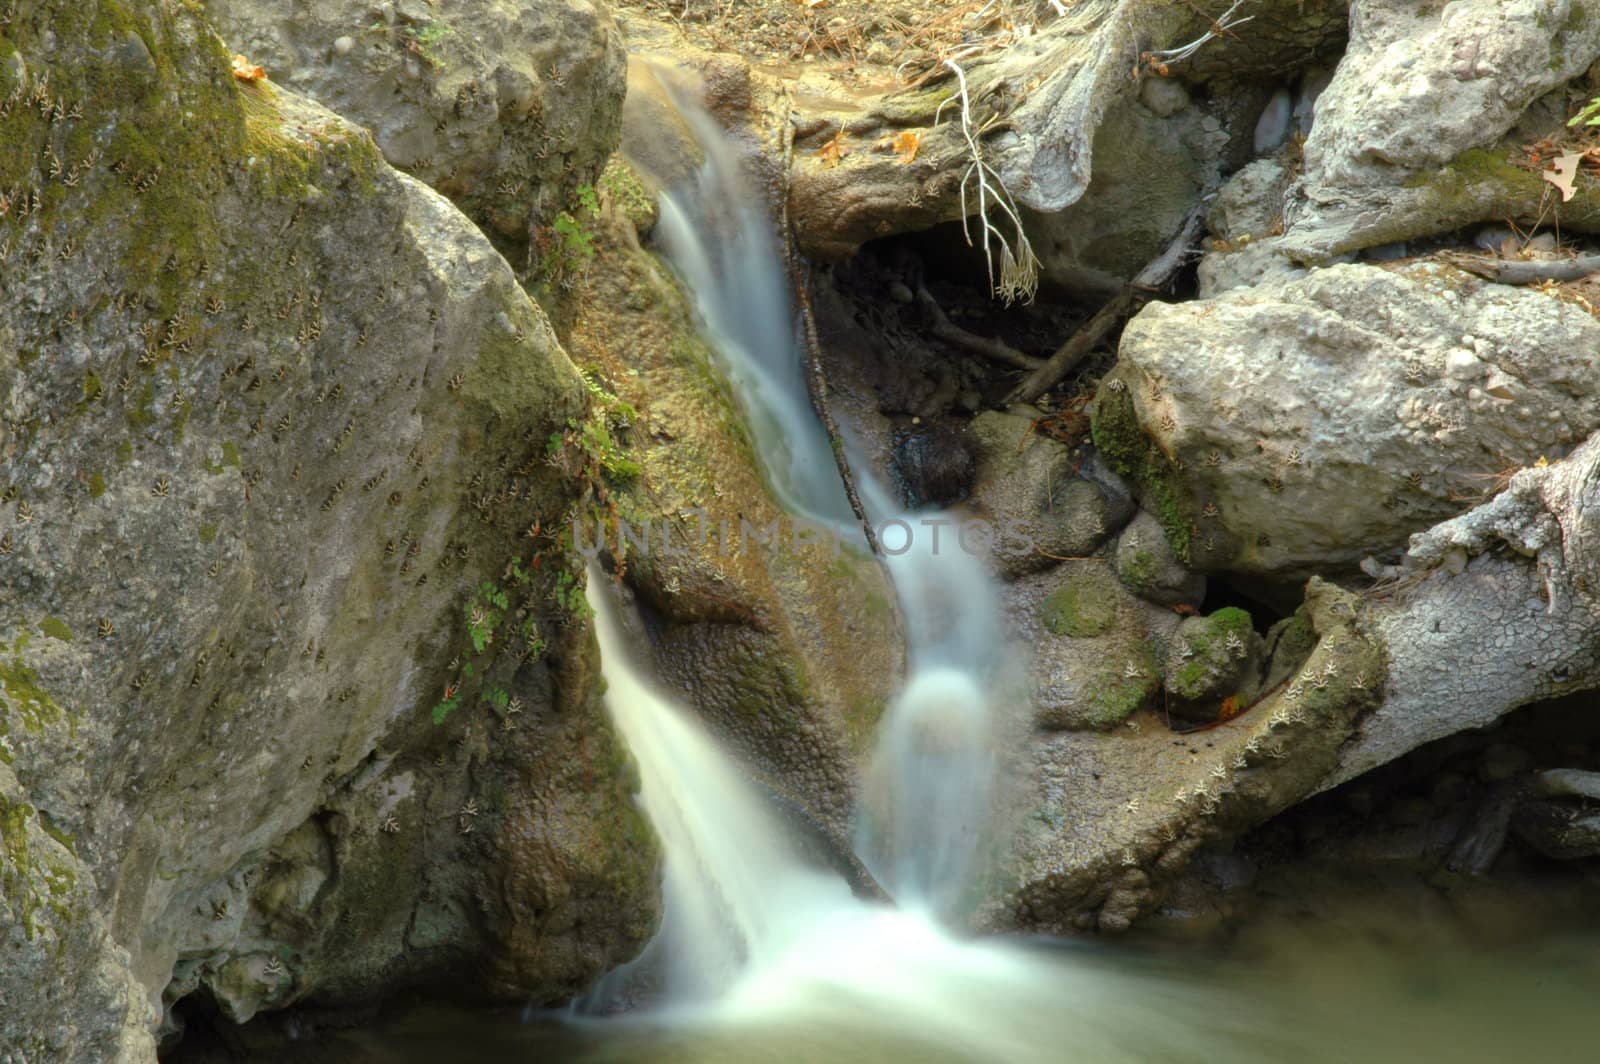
<point>752,933</point>
<point>930,783</point>
<point>757,943</point>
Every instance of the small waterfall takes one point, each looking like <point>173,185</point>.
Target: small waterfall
<point>718,238</point>
<point>736,895</point>
<point>754,936</point>
<point>929,786</point>
<point>761,947</point>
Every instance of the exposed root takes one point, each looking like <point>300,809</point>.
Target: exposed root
<point>1503,272</point>
<point>992,348</point>
<point>1122,306</point>
<point>1018,276</point>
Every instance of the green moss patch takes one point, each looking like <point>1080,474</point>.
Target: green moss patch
<point>21,694</point>
<point>55,628</point>
<point>1087,605</point>
<point>1113,696</point>
<point>1116,433</point>
<point>1208,644</point>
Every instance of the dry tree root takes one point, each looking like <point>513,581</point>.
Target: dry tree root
<point>1019,267</point>
<point>1124,305</point>
<point>992,348</point>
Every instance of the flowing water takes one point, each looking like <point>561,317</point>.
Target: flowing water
<point>930,783</point>
<point>765,957</point>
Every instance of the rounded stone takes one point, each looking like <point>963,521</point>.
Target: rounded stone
<point>1148,566</point>
<point>1163,96</point>
<point>343,45</point>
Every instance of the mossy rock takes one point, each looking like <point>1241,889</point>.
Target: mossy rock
<point>1087,605</point>
<point>1289,643</point>
<point>1148,567</point>
<point>1117,434</point>
<point>1213,658</point>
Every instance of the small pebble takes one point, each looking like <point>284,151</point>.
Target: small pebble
<point>899,292</point>
<point>343,45</point>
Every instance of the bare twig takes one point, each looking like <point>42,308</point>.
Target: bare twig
<point>1122,306</point>
<point>1018,276</point>
<point>1504,272</point>
<point>989,347</point>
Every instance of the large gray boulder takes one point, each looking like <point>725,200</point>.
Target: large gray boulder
<point>276,422</point>
<point>1302,425</point>
<point>1408,136</point>
<point>505,107</point>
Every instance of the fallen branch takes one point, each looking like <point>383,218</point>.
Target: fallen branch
<point>1125,304</point>
<point>1503,272</point>
<point>816,380</point>
<point>989,347</point>
<point>818,387</point>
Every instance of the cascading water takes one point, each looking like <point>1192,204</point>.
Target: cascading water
<point>929,785</point>
<point>758,944</point>
<point>753,934</point>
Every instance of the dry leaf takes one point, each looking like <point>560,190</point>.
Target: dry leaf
<point>834,150</point>
<point>1565,173</point>
<point>1230,708</point>
<point>244,70</point>
<point>1542,463</point>
<point>905,147</point>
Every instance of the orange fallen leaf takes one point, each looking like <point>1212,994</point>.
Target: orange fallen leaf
<point>244,70</point>
<point>1565,173</point>
<point>1230,708</point>
<point>905,147</point>
<point>834,150</point>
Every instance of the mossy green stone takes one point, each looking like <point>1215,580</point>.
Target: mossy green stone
<point>1086,606</point>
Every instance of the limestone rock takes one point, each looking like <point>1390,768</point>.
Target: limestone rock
<point>1095,646</point>
<point>1250,205</point>
<point>504,107</point>
<point>1408,139</point>
<point>1214,658</point>
<point>1257,262</point>
<point>1417,88</point>
<point>1308,423</point>
<point>1027,489</point>
<point>275,416</point>
<point>1150,568</point>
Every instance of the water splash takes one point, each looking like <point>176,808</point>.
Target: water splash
<point>758,942</point>
<point>736,894</point>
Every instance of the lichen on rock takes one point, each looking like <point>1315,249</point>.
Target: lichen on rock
<point>239,565</point>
